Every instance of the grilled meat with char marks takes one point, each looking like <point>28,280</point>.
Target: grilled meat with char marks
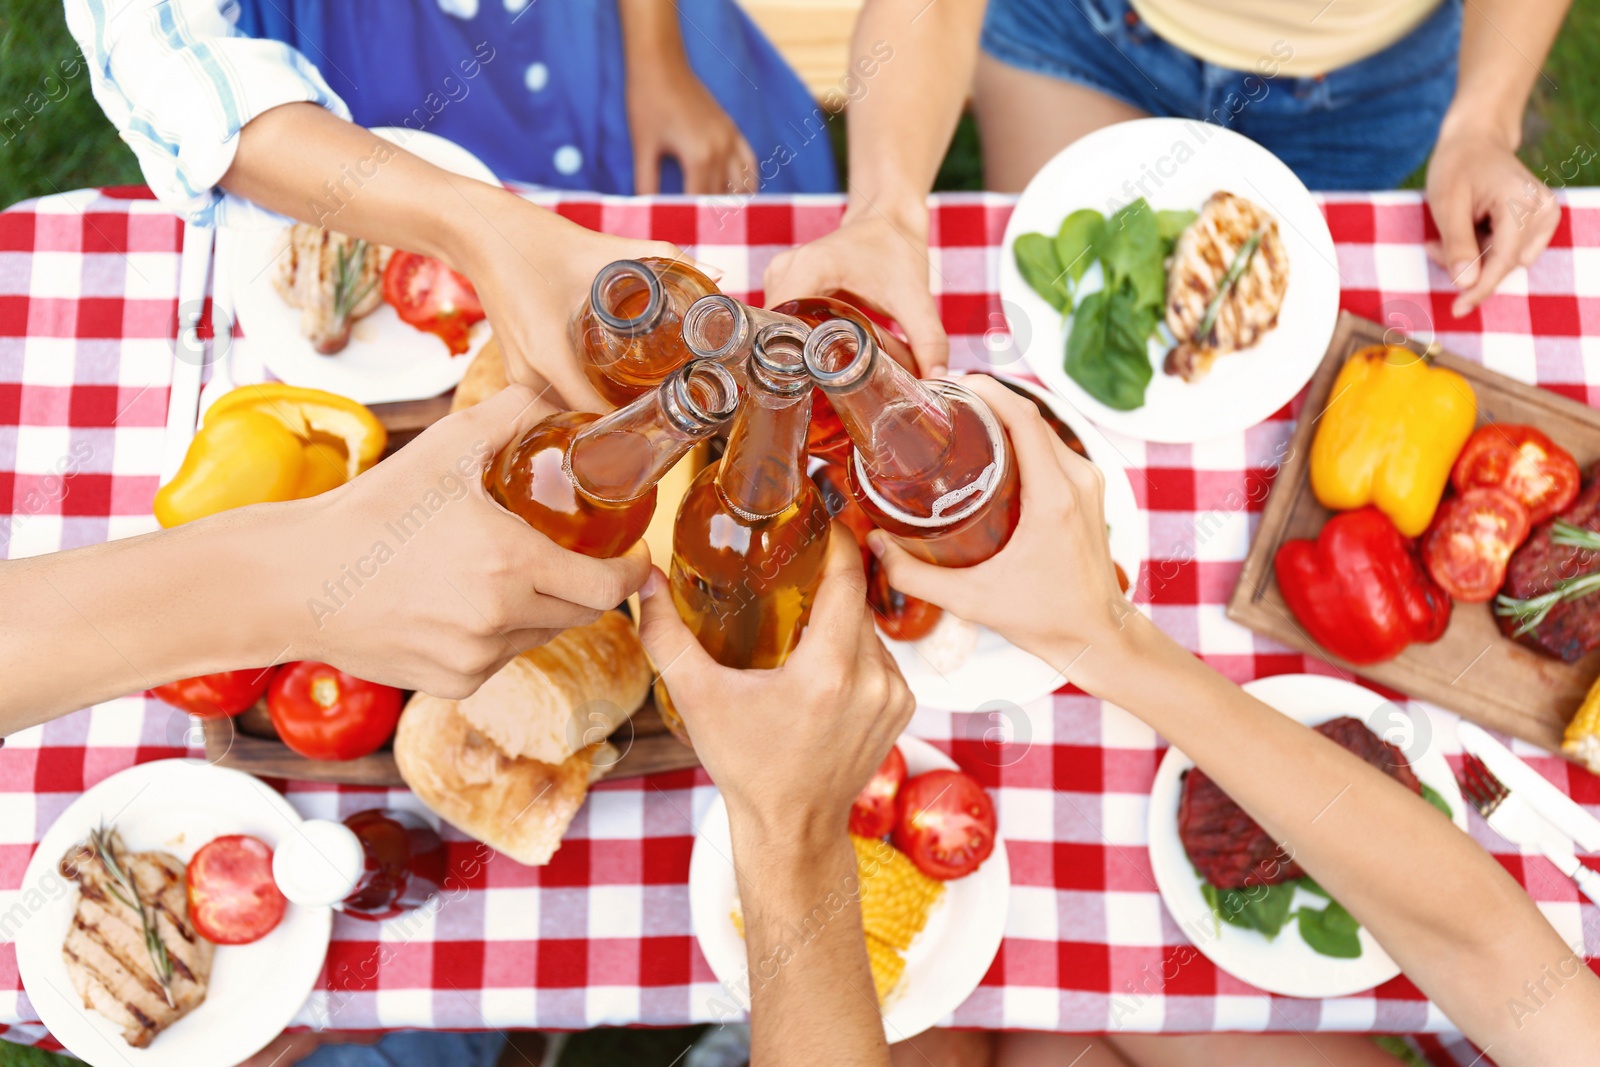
<point>1572,629</point>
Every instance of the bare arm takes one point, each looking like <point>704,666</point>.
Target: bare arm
<point>911,69</point>
<point>1474,175</point>
<point>1459,926</point>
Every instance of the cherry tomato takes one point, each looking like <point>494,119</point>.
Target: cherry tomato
<point>901,617</point>
<point>872,813</point>
<point>946,824</point>
<point>1541,474</point>
<point>323,713</point>
<point>217,696</point>
<point>833,484</point>
<point>1471,540</point>
<point>432,297</point>
<point>232,897</point>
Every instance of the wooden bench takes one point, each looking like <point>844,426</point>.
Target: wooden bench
<point>813,35</point>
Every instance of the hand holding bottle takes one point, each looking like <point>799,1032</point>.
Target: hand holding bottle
<point>1052,590</point>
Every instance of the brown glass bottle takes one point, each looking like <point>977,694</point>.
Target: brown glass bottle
<point>724,329</point>
<point>929,463</point>
<point>751,535</point>
<point>588,482</point>
<point>629,335</point>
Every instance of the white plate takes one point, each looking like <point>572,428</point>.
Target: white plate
<point>1286,964</point>
<point>998,672</point>
<point>1113,166</point>
<point>386,359</point>
<point>175,806</point>
<point>946,961</point>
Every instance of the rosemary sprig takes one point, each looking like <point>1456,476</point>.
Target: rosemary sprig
<point>1563,532</point>
<point>352,259</point>
<point>1530,612</point>
<point>101,841</point>
<point>1241,260</point>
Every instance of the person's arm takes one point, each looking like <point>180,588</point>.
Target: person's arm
<point>914,62</point>
<point>1474,175</point>
<point>409,575</point>
<point>672,113</point>
<point>790,749</point>
<point>1459,926</point>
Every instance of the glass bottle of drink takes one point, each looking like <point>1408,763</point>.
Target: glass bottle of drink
<point>828,439</point>
<point>629,335</point>
<point>752,532</point>
<point>930,464</point>
<point>375,865</point>
<point>588,482</point>
<point>724,329</point>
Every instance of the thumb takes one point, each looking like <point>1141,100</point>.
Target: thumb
<point>1458,238</point>
<point>671,646</point>
<point>911,576</point>
<point>507,415</point>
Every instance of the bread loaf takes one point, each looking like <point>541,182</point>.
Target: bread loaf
<point>485,376</point>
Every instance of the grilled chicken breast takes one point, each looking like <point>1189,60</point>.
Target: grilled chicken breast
<point>1200,261</point>
<point>105,950</point>
<point>309,278</point>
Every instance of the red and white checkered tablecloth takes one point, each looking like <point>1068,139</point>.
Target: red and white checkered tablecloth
<point>88,292</point>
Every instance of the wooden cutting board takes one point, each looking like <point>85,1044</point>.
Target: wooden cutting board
<point>1473,669</point>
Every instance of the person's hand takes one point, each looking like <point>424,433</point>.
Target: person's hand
<point>789,748</point>
<point>1476,178</point>
<point>1052,589</point>
<point>671,113</point>
<point>882,260</point>
<point>412,576</point>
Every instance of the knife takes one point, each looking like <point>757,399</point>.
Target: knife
<point>1560,810</point>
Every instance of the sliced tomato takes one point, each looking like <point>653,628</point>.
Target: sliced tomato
<point>432,297</point>
<point>1471,540</point>
<point>232,897</point>
<point>872,813</point>
<point>217,696</point>
<point>902,617</point>
<point>321,712</point>
<point>1541,474</point>
<point>945,823</point>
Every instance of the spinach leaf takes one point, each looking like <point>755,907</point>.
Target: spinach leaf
<point>1332,931</point>
<point>1107,350</point>
<point>1075,243</point>
<point>1131,250</point>
<point>1039,267</point>
<point>1169,224</point>
<point>1434,797</point>
<point>1264,908</point>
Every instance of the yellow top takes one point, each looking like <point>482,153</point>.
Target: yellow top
<point>1293,38</point>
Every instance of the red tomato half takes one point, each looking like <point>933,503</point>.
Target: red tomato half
<point>902,617</point>
<point>432,297</point>
<point>1541,474</point>
<point>323,713</point>
<point>217,696</point>
<point>946,824</point>
<point>232,897</point>
<point>872,814</point>
<point>1471,540</point>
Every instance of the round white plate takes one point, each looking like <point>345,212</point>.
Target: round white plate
<point>1286,964</point>
<point>175,806</point>
<point>386,360</point>
<point>997,672</point>
<point>946,961</point>
<point>1176,165</point>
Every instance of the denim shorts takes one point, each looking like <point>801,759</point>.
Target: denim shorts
<point>1367,125</point>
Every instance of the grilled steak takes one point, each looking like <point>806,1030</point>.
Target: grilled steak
<point>1230,849</point>
<point>105,951</point>
<point>309,278</point>
<point>1573,626</point>
<point>1200,261</point>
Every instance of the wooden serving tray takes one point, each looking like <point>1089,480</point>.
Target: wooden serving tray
<point>1473,669</point>
<point>249,743</point>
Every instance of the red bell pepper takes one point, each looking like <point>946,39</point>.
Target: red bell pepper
<point>1359,589</point>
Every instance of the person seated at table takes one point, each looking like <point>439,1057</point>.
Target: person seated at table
<point>465,594</point>
<point>1459,926</point>
<point>1351,95</point>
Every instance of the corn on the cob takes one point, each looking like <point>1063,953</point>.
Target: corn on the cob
<point>737,915</point>
<point>895,897</point>
<point>1582,741</point>
<point>887,967</point>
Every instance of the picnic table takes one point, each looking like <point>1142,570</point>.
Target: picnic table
<point>602,936</point>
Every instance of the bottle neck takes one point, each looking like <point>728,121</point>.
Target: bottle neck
<point>622,455</point>
<point>900,428</point>
<point>627,298</point>
<point>763,470</point>
<point>724,329</point>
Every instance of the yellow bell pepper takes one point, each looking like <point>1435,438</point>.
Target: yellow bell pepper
<point>266,443</point>
<point>1390,434</point>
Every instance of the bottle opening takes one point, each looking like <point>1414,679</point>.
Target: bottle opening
<point>627,297</point>
<point>838,353</point>
<point>714,326</point>
<point>702,394</point>
<point>778,356</point>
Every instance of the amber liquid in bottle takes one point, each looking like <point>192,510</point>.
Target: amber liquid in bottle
<point>751,536</point>
<point>930,464</point>
<point>588,482</point>
<point>629,335</point>
<point>404,860</point>
<point>828,439</point>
